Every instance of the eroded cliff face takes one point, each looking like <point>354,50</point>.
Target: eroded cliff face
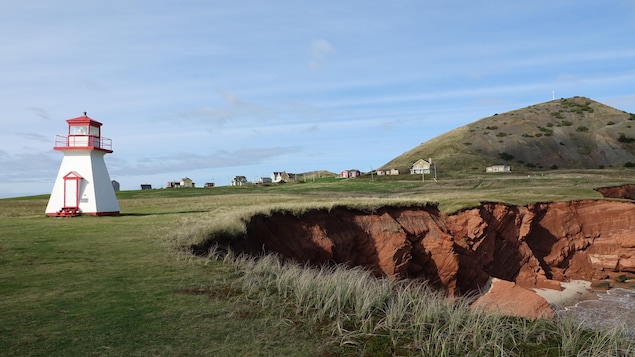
<point>533,246</point>
<point>624,191</point>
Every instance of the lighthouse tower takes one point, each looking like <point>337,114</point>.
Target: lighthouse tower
<point>83,185</point>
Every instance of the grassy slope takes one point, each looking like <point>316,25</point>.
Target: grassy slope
<point>117,285</point>
<point>542,135</point>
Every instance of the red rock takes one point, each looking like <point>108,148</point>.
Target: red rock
<point>507,298</point>
<point>533,246</point>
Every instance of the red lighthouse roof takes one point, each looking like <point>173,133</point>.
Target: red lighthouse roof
<point>84,119</point>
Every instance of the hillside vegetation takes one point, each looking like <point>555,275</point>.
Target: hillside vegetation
<point>571,133</point>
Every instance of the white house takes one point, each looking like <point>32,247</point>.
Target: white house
<point>280,176</point>
<point>422,166</point>
<point>238,181</point>
<point>498,168</point>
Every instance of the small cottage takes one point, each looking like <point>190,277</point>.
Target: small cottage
<point>280,176</point>
<point>187,182</point>
<point>350,173</point>
<point>238,181</point>
<point>498,168</point>
<point>422,166</point>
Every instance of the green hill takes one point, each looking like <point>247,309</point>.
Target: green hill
<point>572,133</point>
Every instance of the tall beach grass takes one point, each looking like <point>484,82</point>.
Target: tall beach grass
<point>365,315</point>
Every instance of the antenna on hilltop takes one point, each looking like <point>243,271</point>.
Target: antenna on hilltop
<point>553,95</point>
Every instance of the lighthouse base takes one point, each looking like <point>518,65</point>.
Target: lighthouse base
<point>82,186</point>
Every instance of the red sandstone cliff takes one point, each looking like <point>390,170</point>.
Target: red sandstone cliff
<point>537,245</point>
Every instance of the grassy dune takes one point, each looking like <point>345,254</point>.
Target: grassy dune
<point>123,285</point>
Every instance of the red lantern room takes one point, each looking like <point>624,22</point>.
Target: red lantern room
<point>83,133</point>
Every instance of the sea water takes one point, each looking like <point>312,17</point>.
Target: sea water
<point>614,308</point>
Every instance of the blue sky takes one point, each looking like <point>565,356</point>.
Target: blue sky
<point>212,89</point>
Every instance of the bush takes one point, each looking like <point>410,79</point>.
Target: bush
<point>629,164</point>
<point>506,156</point>
<point>582,128</point>
<point>493,127</point>
<point>624,139</point>
<point>501,134</point>
<point>610,123</point>
<point>566,123</point>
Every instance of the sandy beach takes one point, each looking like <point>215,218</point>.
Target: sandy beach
<point>572,292</point>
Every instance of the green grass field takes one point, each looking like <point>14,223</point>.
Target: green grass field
<point>123,286</point>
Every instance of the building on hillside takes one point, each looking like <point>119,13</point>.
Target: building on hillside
<point>422,166</point>
<point>280,176</point>
<point>498,168</point>
<point>350,173</point>
<point>238,181</point>
<point>208,185</point>
<point>264,180</point>
<point>173,184</point>
<point>187,182</point>
<point>389,172</point>
<point>146,186</point>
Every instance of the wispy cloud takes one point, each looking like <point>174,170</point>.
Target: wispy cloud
<point>320,52</point>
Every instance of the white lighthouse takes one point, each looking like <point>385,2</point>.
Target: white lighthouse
<point>83,185</point>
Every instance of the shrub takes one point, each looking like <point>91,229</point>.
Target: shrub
<point>527,135</point>
<point>566,123</point>
<point>545,130</point>
<point>506,156</point>
<point>582,128</point>
<point>493,127</point>
<point>610,123</point>
<point>501,134</point>
<point>554,167</point>
<point>624,139</point>
<point>629,164</point>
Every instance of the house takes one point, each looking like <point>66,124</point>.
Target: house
<point>187,182</point>
<point>172,184</point>
<point>146,186</point>
<point>498,168</point>
<point>208,185</point>
<point>390,172</point>
<point>238,181</point>
<point>264,180</point>
<point>280,176</point>
<point>350,173</point>
<point>422,166</point>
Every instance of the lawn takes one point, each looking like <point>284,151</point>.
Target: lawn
<point>121,285</point>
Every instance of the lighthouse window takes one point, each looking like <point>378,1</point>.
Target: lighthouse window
<point>94,131</point>
<point>79,130</point>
